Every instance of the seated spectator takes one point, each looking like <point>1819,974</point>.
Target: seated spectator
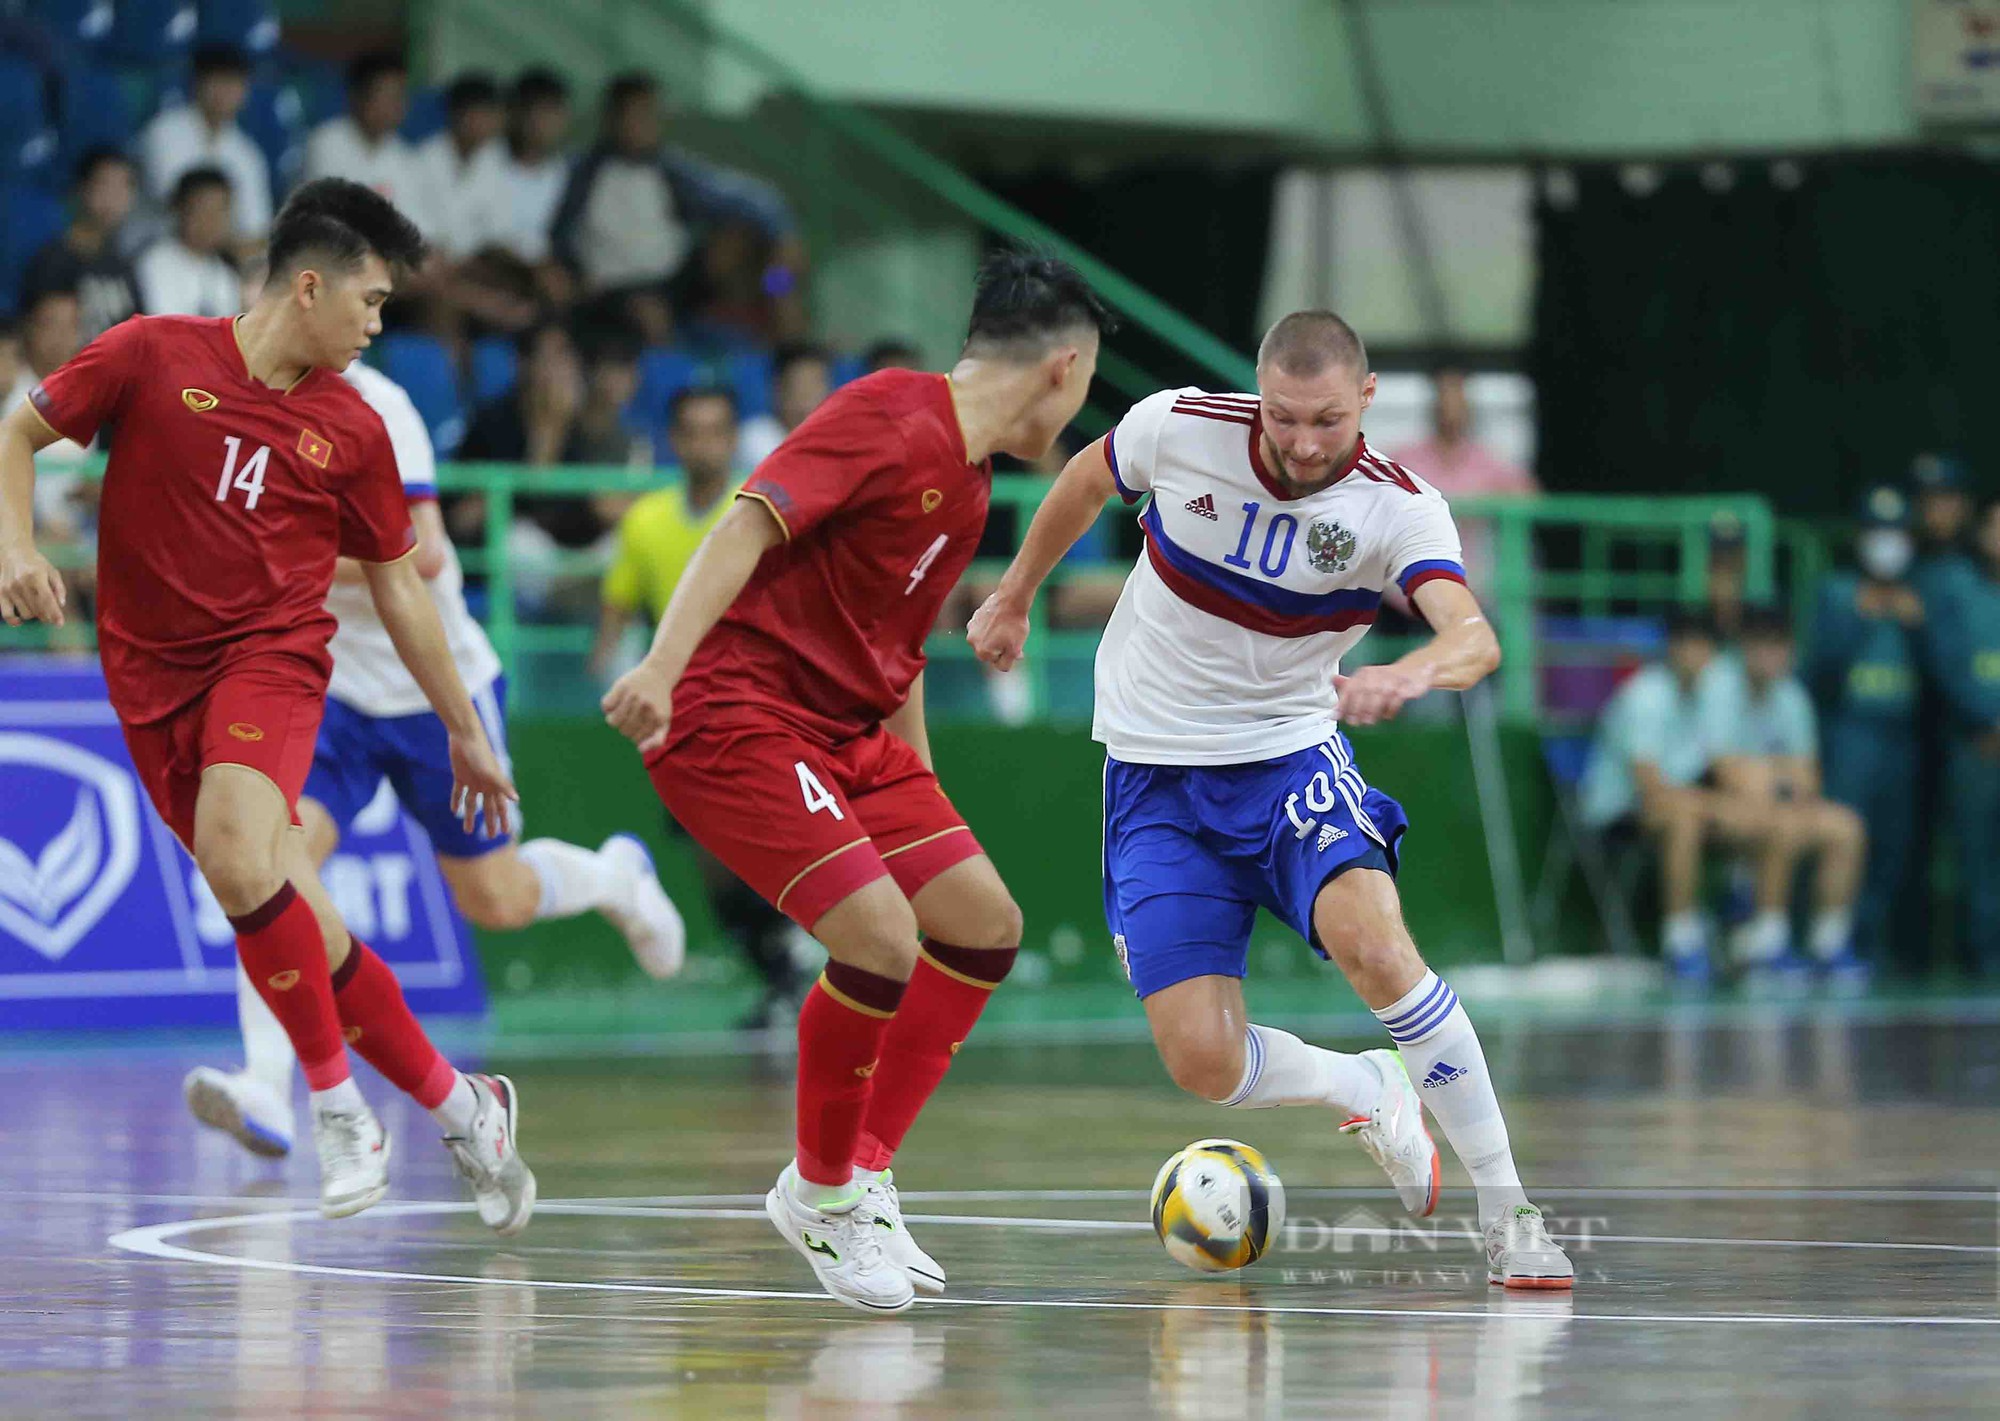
<point>65,503</point>
<point>203,133</point>
<point>661,530</point>
<point>462,171</point>
<point>1964,652</point>
<point>1764,738</point>
<point>892,353</point>
<point>362,145</point>
<point>801,378</point>
<point>603,434</point>
<point>537,165</point>
<point>634,210</point>
<point>1649,773</point>
<point>87,260</point>
<point>1862,671</point>
<point>1728,577</point>
<point>185,273</point>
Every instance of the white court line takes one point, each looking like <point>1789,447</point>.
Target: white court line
<point>155,1241</point>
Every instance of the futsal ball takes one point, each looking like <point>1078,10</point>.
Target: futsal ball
<point>1217,1205</point>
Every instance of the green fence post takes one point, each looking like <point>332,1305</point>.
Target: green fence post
<point>1516,614</point>
<point>500,614</point>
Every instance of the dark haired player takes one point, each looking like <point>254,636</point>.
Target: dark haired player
<point>781,716</point>
<point>241,466</point>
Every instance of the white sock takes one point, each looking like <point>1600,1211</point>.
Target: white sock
<point>574,879</point>
<point>1764,938</point>
<point>1442,1053</point>
<point>1280,1069</point>
<point>1832,933</point>
<point>267,1052</point>
<point>455,1112</point>
<point>1682,934</point>
<point>343,1099</point>
<point>827,1198</point>
<point>866,1177</point>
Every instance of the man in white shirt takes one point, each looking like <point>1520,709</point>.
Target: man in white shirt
<point>538,120</point>
<point>362,145</point>
<point>463,171</point>
<point>203,133</point>
<point>185,274</point>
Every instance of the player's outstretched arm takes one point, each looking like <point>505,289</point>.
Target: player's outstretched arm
<point>30,587</point>
<point>480,787</point>
<point>640,703</point>
<point>1461,653</point>
<point>999,629</point>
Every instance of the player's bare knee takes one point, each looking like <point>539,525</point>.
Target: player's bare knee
<point>1003,925</point>
<point>497,906</point>
<point>1207,1063</point>
<point>240,870</point>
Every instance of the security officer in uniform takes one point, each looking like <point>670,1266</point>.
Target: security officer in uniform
<point>1965,660</point>
<point>1862,669</point>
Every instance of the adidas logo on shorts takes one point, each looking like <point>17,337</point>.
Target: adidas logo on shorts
<point>1204,507</point>
<point>1330,835</point>
<point>1443,1073</point>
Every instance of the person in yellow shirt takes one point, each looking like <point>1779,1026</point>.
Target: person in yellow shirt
<point>655,540</point>
<point>659,533</point>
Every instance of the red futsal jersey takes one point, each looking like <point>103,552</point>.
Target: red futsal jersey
<point>225,504</point>
<point>881,514</point>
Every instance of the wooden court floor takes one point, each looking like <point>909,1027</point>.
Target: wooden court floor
<point>1782,1216</point>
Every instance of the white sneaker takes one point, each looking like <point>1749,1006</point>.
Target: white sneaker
<point>1520,1253</point>
<point>881,1202</point>
<point>645,914</point>
<point>844,1249</point>
<point>353,1160</point>
<point>489,1159</point>
<point>1395,1137</point>
<point>242,1107</point>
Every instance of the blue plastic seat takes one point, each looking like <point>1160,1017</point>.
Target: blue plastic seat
<point>494,368</point>
<point>250,25</point>
<point>94,112</point>
<point>422,366</point>
<point>750,377</point>
<point>425,117</point>
<point>27,138</point>
<point>34,217</point>
<point>664,371</point>
<point>152,32</point>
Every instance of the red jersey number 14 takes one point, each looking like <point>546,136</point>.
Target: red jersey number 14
<point>250,478</point>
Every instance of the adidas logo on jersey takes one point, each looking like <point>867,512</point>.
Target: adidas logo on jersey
<point>1329,836</point>
<point>1204,507</point>
<point>1443,1073</point>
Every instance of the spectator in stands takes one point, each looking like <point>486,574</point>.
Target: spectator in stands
<point>538,423</point>
<point>1649,773</point>
<point>801,378</point>
<point>537,169</point>
<point>462,171</point>
<point>633,212</point>
<point>892,353</point>
<point>185,273</point>
<point>655,541</point>
<point>1964,651</point>
<point>87,260</point>
<point>603,433</point>
<point>1764,737</point>
<point>51,332</point>
<point>1862,670</point>
<point>362,145</point>
<point>1456,463</point>
<point>203,133</point>
<point>1727,592</point>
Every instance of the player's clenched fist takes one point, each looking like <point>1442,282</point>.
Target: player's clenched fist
<point>30,588</point>
<point>1376,693</point>
<point>640,704</point>
<point>998,632</point>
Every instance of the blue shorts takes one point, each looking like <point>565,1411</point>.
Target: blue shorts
<point>356,752</point>
<point>1192,851</point>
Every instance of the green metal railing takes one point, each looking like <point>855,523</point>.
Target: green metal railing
<point>1516,593</point>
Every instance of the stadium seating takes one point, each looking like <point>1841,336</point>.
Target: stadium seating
<point>27,140</point>
<point>250,25</point>
<point>421,364</point>
<point>33,217</point>
<point>152,32</point>
<point>94,112</point>
<point>494,364</point>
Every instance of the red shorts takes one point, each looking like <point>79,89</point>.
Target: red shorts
<point>806,825</point>
<point>263,716</point>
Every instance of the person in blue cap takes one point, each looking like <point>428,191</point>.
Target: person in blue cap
<point>1942,499</point>
<point>1862,667</point>
<point>1965,660</point>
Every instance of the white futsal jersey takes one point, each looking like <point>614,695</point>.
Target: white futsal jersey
<point>1225,641</point>
<point>367,673</point>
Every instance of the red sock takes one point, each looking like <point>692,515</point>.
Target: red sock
<point>947,992</point>
<point>285,958</point>
<point>840,1035</point>
<point>380,1026</point>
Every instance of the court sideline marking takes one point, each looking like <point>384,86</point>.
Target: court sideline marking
<point>157,1241</point>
